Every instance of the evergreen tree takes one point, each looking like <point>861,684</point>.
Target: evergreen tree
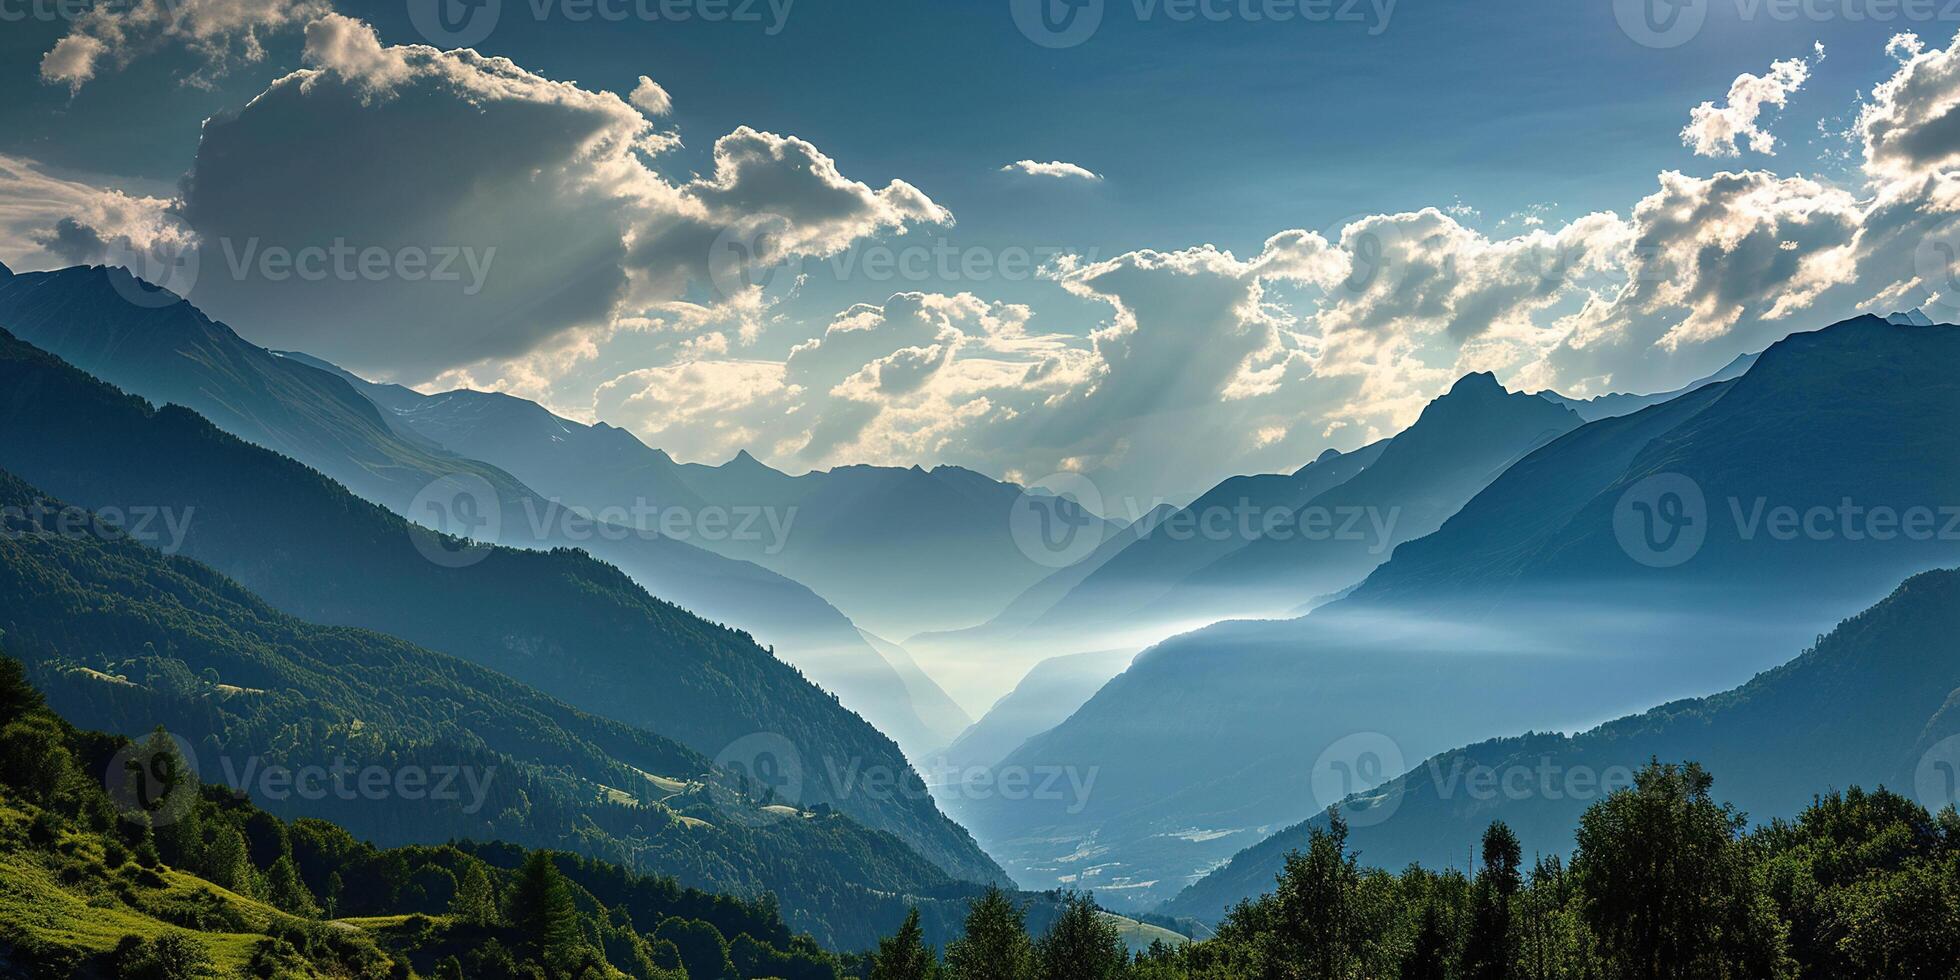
<point>541,908</point>
<point>701,947</point>
<point>214,850</point>
<point>476,897</point>
<point>1083,944</point>
<point>287,892</point>
<point>17,696</point>
<point>1491,945</point>
<point>905,956</point>
<point>1429,952</point>
<point>996,944</point>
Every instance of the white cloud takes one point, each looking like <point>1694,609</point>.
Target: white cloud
<point>46,221</point>
<point>1727,258</point>
<point>1911,124</point>
<point>650,98</point>
<point>701,409</point>
<point>1196,363</point>
<point>222,33</point>
<point>1719,131</point>
<point>1208,363</point>
<point>72,61</point>
<point>1054,168</point>
<point>546,189</point>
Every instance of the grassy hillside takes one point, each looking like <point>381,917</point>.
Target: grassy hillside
<point>187,880</point>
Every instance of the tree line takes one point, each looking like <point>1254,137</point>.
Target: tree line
<point>1664,883</point>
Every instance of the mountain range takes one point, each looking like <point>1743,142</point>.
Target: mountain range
<point>870,539</point>
<point>1545,602</point>
<point>170,353</point>
<point>574,628</point>
<point>1874,703</point>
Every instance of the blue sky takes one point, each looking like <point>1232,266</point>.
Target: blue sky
<point>1204,133</point>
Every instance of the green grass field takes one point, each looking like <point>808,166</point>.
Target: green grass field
<point>1139,935</point>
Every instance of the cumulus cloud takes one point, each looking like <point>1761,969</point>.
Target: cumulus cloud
<point>221,33</point>
<point>48,221</point>
<point>920,377</point>
<point>1193,363</point>
<point>416,213</point>
<point>1206,362</point>
<point>1717,131</point>
<point>701,409</point>
<point>1054,168</point>
<point>1732,257</point>
<point>650,98</point>
<point>1911,124</point>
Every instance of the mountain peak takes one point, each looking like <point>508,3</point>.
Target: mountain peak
<point>1914,317</point>
<point>744,462</point>
<point>1480,381</point>
<point>1476,401</point>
